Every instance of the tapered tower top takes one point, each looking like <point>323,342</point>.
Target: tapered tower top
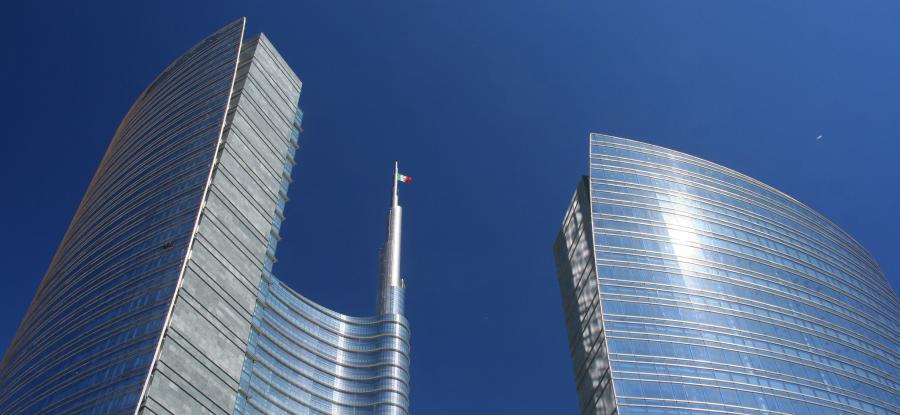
<point>390,295</point>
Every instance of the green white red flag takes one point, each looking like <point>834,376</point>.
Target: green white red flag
<point>404,178</point>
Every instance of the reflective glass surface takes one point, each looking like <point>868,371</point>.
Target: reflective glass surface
<point>578,284</point>
<point>720,294</point>
<point>88,338</point>
<point>304,359</point>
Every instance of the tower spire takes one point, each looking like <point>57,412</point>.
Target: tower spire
<point>390,293</point>
<point>394,197</point>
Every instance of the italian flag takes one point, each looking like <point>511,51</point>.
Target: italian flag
<point>404,178</point>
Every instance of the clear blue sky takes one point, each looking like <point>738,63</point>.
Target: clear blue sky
<point>488,105</point>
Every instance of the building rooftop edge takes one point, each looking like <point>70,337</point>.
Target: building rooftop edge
<point>752,180</point>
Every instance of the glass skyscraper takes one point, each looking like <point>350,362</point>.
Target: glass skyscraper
<point>689,288</point>
<point>161,299</point>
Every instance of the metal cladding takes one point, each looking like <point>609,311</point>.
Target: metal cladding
<point>691,288</point>
<point>161,297</point>
<point>87,341</point>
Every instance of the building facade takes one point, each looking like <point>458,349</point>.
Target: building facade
<point>689,288</point>
<point>160,299</point>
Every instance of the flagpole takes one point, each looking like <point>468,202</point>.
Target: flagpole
<point>396,175</point>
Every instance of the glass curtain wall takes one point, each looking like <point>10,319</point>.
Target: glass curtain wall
<point>88,338</point>
<point>720,294</point>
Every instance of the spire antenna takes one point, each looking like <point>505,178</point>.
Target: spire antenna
<point>390,293</point>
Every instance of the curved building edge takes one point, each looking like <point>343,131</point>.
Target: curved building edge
<point>88,339</point>
<point>240,341</point>
<point>688,286</point>
<point>305,358</point>
<point>160,297</point>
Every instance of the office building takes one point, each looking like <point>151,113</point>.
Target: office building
<point>689,288</point>
<point>160,298</point>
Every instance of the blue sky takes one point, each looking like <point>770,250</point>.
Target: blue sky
<point>488,105</point>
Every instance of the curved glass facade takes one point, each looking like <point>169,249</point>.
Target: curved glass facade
<point>719,294</point>
<point>89,336</point>
<point>160,298</point>
<point>306,359</point>
<point>302,358</point>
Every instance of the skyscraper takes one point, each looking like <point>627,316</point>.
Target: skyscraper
<point>161,299</point>
<point>689,288</point>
